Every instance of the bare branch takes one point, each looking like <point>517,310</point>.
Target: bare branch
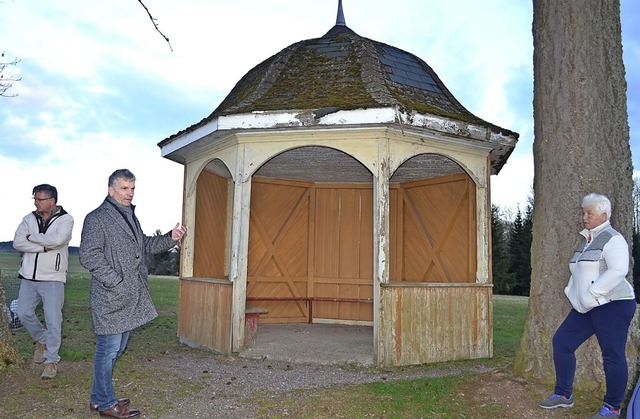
<point>7,82</point>
<point>153,20</point>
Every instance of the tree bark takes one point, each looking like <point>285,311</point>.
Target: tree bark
<point>581,146</point>
<point>9,354</point>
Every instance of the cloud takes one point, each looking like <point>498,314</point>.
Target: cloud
<point>81,173</point>
<point>100,87</point>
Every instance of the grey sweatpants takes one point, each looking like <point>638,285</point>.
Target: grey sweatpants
<point>51,294</point>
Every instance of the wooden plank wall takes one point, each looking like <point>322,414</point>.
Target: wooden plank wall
<point>204,313</point>
<point>311,240</point>
<point>433,231</point>
<point>278,259</point>
<point>204,302</point>
<point>343,256</point>
<point>423,323</point>
<point>212,217</point>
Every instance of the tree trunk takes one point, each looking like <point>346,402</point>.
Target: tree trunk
<point>581,146</point>
<point>9,354</point>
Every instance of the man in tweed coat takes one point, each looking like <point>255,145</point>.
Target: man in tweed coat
<point>114,250</point>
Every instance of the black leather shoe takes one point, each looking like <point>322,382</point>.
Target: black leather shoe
<point>119,412</point>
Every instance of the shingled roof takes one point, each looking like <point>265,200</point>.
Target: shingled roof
<point>344,71</point>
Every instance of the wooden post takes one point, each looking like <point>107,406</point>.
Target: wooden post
<point>251,320</point>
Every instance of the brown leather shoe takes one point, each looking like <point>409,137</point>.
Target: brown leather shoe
<point>119,412</point>
<point>121,403</point>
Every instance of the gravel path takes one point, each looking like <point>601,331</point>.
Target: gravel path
<point>231,382</point>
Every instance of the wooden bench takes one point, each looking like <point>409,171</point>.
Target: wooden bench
<point>310,300</point>
<point>251,320</point>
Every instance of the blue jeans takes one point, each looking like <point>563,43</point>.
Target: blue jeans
<point>108,349</point>
<point>51,293</point>
<point>610,324</point>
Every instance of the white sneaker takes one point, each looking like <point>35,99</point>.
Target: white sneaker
<point>50,371</point>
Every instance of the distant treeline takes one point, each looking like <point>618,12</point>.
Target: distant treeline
<point>165,263</point>
<point>8,247</point>
<point>511,250</point>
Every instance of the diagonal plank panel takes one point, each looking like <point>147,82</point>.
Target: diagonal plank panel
<point>437,230</point>
<point>278,237</point>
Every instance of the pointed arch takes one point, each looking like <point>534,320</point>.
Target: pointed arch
<point>311,236</point>
<point>213,189</point>
<point>433,222</point>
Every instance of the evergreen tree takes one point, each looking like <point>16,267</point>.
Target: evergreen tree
<point>635,238</point>
<point>520,251</point>
<point>635,253</point>
<point>503,280</point>
<point>527,237</point>
<point>636,204</point>
<point>165,263</point>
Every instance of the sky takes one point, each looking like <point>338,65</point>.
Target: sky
<point>100,87</point>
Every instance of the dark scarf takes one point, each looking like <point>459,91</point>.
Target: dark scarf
<point>128,213</point>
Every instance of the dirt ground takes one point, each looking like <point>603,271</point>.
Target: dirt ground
<point>230,387</point>
<point>272,380</point>
<point>501,387</point>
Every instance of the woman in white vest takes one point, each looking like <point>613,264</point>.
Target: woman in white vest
<point>603,304</point>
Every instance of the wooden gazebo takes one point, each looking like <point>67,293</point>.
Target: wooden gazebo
<point>341,182</point>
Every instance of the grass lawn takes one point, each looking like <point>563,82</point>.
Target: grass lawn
<point>77,335</point>
<point>427,397</point>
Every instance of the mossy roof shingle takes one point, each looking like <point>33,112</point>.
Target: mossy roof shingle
<point>343,71</point>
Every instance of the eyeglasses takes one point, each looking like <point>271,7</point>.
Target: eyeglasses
<point>42,199</point>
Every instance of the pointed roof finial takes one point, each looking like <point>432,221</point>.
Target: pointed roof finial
<point>340,19</point>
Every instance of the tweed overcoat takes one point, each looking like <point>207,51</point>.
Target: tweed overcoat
<point>119,298</point>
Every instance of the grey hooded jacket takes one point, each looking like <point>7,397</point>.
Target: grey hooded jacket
<point>115,251</point>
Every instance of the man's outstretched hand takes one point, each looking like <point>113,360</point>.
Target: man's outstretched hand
<point>178,232</point>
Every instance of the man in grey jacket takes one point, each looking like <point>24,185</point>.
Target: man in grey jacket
<point>114,250</point>
<point>43,238</point>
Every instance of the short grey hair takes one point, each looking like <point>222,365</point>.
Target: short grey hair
<point>600,203</point>
<point>120,174</point>
<point>48,189</point>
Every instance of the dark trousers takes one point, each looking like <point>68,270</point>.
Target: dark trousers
<point>610,324</point>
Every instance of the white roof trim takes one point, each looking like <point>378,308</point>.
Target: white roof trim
<point>286,119</point>
<point>188,138</point>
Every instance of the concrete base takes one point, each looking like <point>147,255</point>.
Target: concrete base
<point>325,344</point>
